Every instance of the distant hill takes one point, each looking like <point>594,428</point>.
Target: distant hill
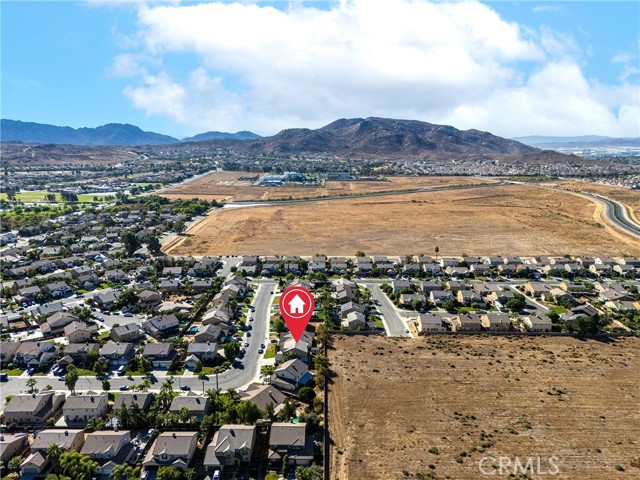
<point>110,134</point>
<point>201,137</point>
<point>535,140</point>
<point>385,138</point>
<point>584,141</point>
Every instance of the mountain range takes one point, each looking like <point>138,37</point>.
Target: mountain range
<point>109,134</point>
<point>370,138</point>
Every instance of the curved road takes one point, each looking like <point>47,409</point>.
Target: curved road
<point>614,212</point>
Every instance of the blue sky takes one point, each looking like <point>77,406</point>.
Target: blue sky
<point>512,68</point>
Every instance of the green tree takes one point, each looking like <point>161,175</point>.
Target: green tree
<point>77,466</point>
<point>314,472</point>
<point>14,463</point>
<point>168,473</point>
<point>248,412</point>
<point>153,244</point>
<point>54,452</point>
<point>231,349</point>
<point>106,385</point>
<point>71,378</point>
<point>121,472</point>
<point>306,394</point>
<point>31,384</point>
<point>516,304</point>
<point>130,243</point>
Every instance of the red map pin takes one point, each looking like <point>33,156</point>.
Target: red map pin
<point>296,307</point>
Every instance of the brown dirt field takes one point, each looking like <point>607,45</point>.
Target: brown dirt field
<point>631,198</point>
<point>227,186</point>
<point>514,220</point>
<point>393,402</point>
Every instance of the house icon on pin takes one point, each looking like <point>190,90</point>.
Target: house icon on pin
<point>296,305</point>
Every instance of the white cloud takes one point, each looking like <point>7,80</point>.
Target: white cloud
<point>547,8</point>
<point>264,69</point>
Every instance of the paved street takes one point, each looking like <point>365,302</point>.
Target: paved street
<point>394,325</point>
<point>232,378</point>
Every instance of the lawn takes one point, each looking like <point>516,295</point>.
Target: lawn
<point>38,196</point>
<point>271,351</point>
<point>559,310</point>
<point>53,476</point>
<point>83,372</point>
<point>15,372</point>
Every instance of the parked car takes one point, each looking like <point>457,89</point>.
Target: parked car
<point>185,387</point>
<point>124,388</point>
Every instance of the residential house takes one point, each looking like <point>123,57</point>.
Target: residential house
<point>204,351</point>
<point>430,323</point>
<point>398,285</point>
<point>438,297</point>
<point>262,395</point>
<point>34,354</point>
<point>291,374</point>
<point>172,449</point>
<point>467,297</point>
<point>209,333</point>
<point>105,300</point>
<point>67,439</point>
<point>13,445</point>
<point>496,322</point>
<point>108,449</point>
<point>197,405</point>
<point>149,298</point>
<point>143,400</point>
<point>232,445</point>
<point>54,325</point>
<point>117,354</point>
<point>79,352</point>
<point>79,409</point>
<point>79,332</point>
<point>126,333</point>
<point>59,289</point>
<point>291,441</point>
<point>300,349</point>
<point>354,321</point>
<point>407,299</point>
<point>160,354</point>
<point>533,323</point>
<point>8,351</point>
<point>161,325</point>
<point>470,322</point>
<point>32,409</point>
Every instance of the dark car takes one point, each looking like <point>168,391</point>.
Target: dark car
<point>124,388</point>
<point>185,387</point>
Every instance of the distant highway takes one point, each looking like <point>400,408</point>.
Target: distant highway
<point>614,212</point>
<point>252,203</point>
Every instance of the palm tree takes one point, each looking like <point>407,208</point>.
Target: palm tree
<point>95,423</point>
<point>53,455</point>
<point>70,378</point>
<point>121,472</point>
<point>31,383</point>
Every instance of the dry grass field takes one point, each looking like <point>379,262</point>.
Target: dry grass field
<point>629,197</point>
<point>433,407</point>
<point>228,186</point>
<point>514,220</point>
